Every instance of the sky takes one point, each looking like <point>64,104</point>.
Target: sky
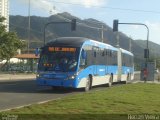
<point>126,11</point>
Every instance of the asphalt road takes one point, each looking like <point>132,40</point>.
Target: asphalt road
<point>18,93</point>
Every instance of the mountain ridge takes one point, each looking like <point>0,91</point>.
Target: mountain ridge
<point>19,24</point>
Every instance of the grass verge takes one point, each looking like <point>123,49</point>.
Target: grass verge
<point>110,103</point>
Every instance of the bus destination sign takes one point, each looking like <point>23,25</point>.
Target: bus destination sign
<point>62,49</point>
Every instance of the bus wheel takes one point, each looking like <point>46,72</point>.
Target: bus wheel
<point>110,81</point>
<point>128,77</point>
<point>88,84</point>
<point>54,88</point>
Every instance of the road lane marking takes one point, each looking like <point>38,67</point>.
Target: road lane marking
<point>38,103</point>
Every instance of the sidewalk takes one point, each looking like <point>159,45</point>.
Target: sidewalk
<point>140,81</point>
<point>4,77</point>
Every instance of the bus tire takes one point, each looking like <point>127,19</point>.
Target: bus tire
<point>110,81</point>
<point>127,79</point>
<point>88,84</point>
<point>55,87</point>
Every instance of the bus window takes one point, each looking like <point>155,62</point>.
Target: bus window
<point>84,54</point>
<point>62,59</point>
<point>103,53</point>
<point>94,53</point>
<point>83,58</point>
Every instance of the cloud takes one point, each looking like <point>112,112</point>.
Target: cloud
<point>44,5</point>
<point>69,5</point>
<point>87,3</point>
<point>140,32</point>
<point>90,3</point>
<point>39,5</point>
<point>154,28</point>
<point>61,5</point>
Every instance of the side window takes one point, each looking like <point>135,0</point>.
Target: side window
<point>95,54</point>
<point>85,58</point>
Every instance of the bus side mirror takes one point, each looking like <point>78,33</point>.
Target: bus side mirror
<point>84,54</point>
<point>36,51</point>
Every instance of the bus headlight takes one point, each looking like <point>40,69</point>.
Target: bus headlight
<point>38,75</point>
<point>72,77</point>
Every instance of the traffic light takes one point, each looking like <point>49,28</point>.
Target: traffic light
<point>115,25</point>
<point>146,53</point>
<point>73,24</point>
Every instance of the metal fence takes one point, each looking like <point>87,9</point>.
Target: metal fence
<point>150,67</point>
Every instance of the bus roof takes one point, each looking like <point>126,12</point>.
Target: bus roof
<point>77,42</point>
<point>67,41</point>
<point>126,52</point>
<point>103,45</point>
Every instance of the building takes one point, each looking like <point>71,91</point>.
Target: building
<point>4,12</point>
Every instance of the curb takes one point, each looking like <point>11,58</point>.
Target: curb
<point>10,77</point>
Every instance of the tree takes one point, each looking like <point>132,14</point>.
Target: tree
<point>9,42</point>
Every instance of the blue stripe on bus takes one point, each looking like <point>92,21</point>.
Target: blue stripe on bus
<point>94,70</point>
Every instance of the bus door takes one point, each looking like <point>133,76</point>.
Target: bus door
<point>94,59</point>
<point>119,60</point>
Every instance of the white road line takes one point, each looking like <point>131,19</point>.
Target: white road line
<point>38,103</point>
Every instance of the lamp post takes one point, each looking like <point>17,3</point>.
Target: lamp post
<point>73,27</point>
<point>146,51</point>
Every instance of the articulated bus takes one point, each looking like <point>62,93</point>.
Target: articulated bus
<point>78,62</point>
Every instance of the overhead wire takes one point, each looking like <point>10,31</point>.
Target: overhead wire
<point>82,24</point>
<point>68,20</point>
<point>109,7</point>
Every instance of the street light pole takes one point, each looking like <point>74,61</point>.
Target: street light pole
<point>130,44</point>
<point>73,27</point>
<point>140,24</point>
<point>146,54</point>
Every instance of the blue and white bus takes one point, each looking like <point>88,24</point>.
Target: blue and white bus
<point>82,63</point>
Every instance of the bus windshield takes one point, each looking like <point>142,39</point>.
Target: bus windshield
<point>62,59</point>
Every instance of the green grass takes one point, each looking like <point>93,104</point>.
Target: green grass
<point>116,101</point>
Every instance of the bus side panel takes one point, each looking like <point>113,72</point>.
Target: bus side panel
<point>102,76</point>
<point>119,61</point>
<point>113,70</point>
<point>83,76</point>
<point>126,71</point>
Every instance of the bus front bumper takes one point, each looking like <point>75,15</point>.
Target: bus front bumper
<point>56,82</point>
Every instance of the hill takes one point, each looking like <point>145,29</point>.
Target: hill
<point>153,47</point>
<point>84,29</point>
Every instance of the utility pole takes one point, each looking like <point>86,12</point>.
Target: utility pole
<point>117,37</point>
<point>29,25</point>
<point>130,44</point>
<point>102,37</point>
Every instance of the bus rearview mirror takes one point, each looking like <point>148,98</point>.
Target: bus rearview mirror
<point>84,54</point>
